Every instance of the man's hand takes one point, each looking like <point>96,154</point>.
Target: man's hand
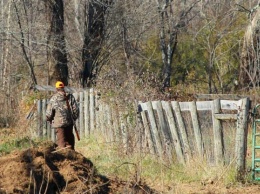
<point>49,119</point>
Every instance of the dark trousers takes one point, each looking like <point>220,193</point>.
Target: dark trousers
<point>65,137</point>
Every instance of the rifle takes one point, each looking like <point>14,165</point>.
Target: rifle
<point>74,124</point>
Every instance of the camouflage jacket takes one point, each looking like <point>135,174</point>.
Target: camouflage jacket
<point>58,111</point>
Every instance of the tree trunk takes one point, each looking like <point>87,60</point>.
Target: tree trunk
<point>249,74</point>
<point>168,42</point>
<point>93,37</point>
<point>57,55</point>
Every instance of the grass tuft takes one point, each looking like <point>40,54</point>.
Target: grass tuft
<point>15,144</point>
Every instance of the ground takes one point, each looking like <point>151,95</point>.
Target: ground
<point>41,169</point>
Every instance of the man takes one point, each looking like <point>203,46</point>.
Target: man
<point>62,111</point>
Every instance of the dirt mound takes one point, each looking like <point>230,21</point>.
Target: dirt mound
<point>41,170</point>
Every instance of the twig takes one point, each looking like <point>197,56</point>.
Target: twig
<point>60,149</point>
<point>46,188</point>
<point>30,180</point>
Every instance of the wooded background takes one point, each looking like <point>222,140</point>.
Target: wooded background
<point>127,49</point>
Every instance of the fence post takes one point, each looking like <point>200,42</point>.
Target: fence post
<point>196,127</point>
<point>39,118</point>
<point>123,130</point>
<point>115,117</point>
<point>92,110</point>
<point>44,120</point>
<point>165,137</point>
<point>81,121</point>
<point>174,132</point>
<point>241,137</point>
<point>154,129</point>
<point>148,135</point>
<point>48,125</point>
<point>86,113</point>
<point>218,133</point>
<point>109,127</point>
<point>184,137</point>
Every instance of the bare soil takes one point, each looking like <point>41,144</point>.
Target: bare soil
<point>39,170</point>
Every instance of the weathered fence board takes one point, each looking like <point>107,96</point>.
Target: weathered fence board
<point>167,142</point>
<point>148,137</point>
<point>155,134</point>
<point>196,128</point>
<point>174,132</point>
<point>241,135</point>
<point>217,132</point>
<point>182,130</point>
<point>86,113</point>
<point>81,120</point>
<point>92,110</point>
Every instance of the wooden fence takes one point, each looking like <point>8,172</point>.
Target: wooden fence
<point>176,131</point>
<point>166,126</point>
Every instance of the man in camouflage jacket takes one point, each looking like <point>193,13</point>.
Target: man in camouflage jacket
<point>62,117</point>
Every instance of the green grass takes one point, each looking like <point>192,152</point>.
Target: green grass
<point>15,144</point>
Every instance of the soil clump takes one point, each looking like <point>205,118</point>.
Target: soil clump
<point>44,170</point>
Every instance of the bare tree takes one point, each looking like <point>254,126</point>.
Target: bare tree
<point>250,65</point>
<point>23,44</point>
<point>93,38</point>
<point>218,34</point>
<point>57,53</point>
<point>173,16</point>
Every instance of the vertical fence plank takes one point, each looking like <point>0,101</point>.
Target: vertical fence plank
<point>115,116</point>
<point>92,110</point>
<point>218,133</point>
<point>86,113</point>
<point>165,139</point>
<point>109,125</point>
<point>148,134</point>
<point>196,127</point>
<point>174,132</point>
<point>48,125</point>
<point>102,120</point>
<point>44,121</point>
<point>123,130</point>
<point>40,117</point>
<point>182,129</point>
<point>154,129</point>
<point>241,136</point>
<point>97,114</point>
<point>140,140</point>
<point>81,120</point>
<point>133,132</point>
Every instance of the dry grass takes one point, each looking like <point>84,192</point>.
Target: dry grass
<point>111,160</point>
